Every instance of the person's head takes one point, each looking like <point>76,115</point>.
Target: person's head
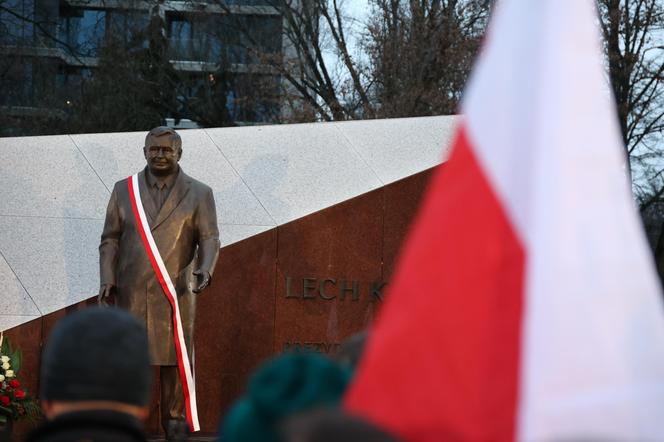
<point>329,425</point>
<point>163,150</point>
<point>288,384</point>
<point>96,359</point>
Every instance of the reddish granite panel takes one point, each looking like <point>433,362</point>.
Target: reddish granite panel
<point>49,321</point>
<point>308,284</point>
<point>402,201</point>
<point>328,263</point>
<point>235,323</point>
<point>153,423</point>
<point>220,394</point>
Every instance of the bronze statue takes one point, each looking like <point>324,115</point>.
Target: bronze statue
<point>181,215</point>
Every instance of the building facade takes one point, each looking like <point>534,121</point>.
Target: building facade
<point>217,54</point>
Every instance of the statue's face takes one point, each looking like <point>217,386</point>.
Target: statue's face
<point>162,156</point>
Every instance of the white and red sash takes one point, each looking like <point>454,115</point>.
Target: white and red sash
<point>186,376</point>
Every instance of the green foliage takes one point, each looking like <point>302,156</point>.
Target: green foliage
<point>33,412</point>
<point>6,348</point>
<point>22,406</point>
<point>15,356</point>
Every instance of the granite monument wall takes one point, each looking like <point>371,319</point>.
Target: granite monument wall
<point>307,284</point>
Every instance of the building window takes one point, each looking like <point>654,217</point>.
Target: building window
<point>266,32</point>
<point>179,27</point>
<point>224,39</point>
<point>13,30</point>
<point>251,39</point>
<point>128,28</point>
<point>82,31</point>
<point>192,37</point>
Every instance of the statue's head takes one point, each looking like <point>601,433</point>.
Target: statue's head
<point>163,150</point>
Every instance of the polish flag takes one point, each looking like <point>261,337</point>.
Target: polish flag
<point>525,305</point>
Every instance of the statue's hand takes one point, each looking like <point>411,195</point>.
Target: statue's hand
<point>106,291</point>
<point>203,279</point>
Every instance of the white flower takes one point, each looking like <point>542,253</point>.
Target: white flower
<point>9,373</point>
<point>5,366</point>
<point>2,378</point>
<point>4,359</point>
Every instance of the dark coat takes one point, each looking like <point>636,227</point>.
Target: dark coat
<point>92,426</point>
<point>187,236</point>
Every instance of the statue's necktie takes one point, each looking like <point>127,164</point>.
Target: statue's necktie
<point>162,191</point>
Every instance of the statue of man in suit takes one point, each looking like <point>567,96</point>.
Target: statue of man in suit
<point>181,215</point>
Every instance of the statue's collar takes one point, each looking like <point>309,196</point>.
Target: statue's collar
<point>158,181</point>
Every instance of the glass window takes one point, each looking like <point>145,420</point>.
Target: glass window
<point>13,30</point>
<point>91,30</point>
<point>179,28</point>
<point>266,32</point>
<point>128,28</point>
<point>193,37</point>
<point>180,31</point>
<point>250,38</point>
<point>83,31</point>
<point>223,39</point>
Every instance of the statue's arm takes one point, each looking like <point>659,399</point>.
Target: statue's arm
<point>108,248</point>
<point>208,240</point>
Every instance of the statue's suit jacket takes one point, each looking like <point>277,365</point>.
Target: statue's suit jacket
<point>186,233</point>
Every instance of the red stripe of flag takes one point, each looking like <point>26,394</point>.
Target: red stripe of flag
<point>442,361</point>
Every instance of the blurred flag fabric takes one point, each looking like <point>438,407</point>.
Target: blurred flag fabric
<point>525,305</point>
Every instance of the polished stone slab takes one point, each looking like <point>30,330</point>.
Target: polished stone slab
<point>48,177</point>
<point>113,156</point>
<point>14,300</point>
<point>56,259</point>
<point>295,169</point>
<point>399,147</point>
<point>232,233</point>
<point>328,264</point>
<point>235,323</point>
<point>10,321</point>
